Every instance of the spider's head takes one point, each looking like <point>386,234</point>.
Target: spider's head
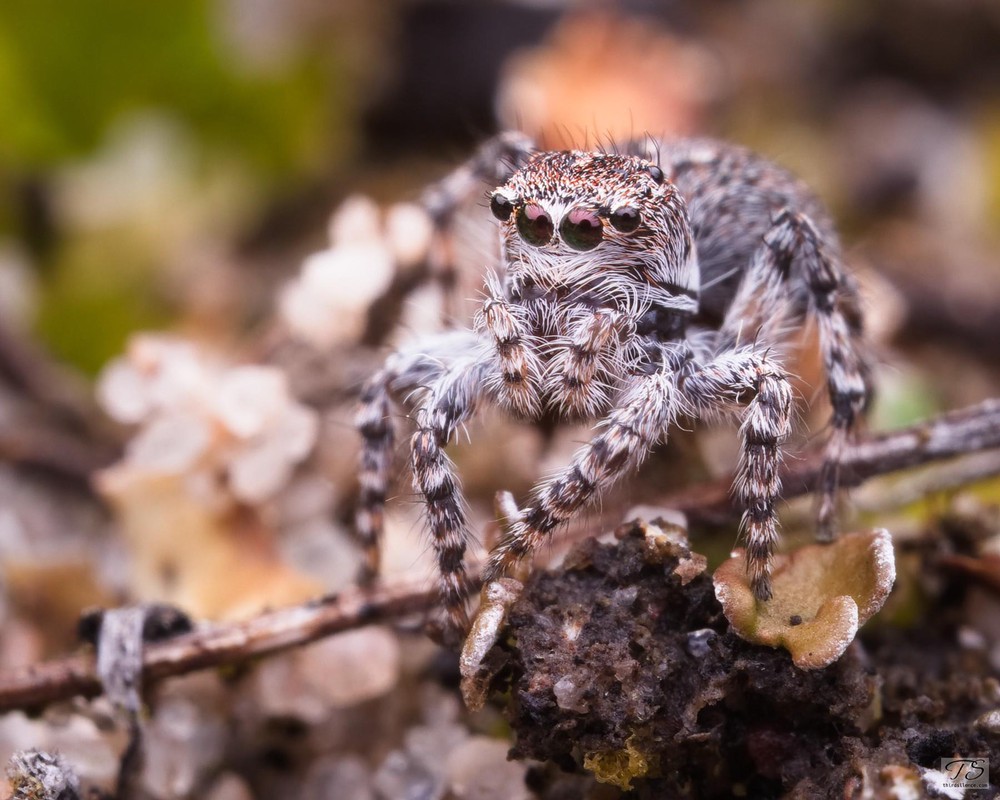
<point>571,219</point>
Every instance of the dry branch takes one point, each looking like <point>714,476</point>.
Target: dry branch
<point>969,430</point>
<point>221,644</point>
<point>54,451</point>
<point>957,433</point>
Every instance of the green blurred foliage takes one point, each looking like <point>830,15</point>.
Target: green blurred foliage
<point>903,398</point>
<point>100,294</point>
<point>70,72</point>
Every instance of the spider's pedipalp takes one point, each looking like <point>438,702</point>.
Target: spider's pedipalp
<point>517,376</point>
<point>645,413</point>
<point>576,378</point>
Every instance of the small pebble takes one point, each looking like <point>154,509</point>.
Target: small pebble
<point>347,777</point>
<point>339,672</point>
<point>569,695</point>
<point>479,770</point>
<point>430,745</point>
<point>989,722</point>
<point>365,664</point>
<point>183,742</point>
<point>625,597</point>
<point>400,777</point>
<point>229,786</point>
<point>971,639</point>
<point>699,642</point>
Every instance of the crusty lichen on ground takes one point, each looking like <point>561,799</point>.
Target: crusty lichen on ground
<point>621,664</point>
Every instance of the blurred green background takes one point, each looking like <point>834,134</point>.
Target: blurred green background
<point>130,129</point>
<point>147,147</point>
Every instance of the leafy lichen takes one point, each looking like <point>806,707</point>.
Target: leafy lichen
<point>822,594</point>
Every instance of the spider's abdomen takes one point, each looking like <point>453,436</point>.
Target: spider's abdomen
<point>733,197</point>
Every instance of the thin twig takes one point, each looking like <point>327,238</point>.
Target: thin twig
<point>52,450</point>
<point>970,430</point>
<point>34,374</point>
<point>221,644</point>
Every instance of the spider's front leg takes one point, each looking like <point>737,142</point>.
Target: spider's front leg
<point>494,161</point>
<point>450,401</point>
<point>642,416</point>
<point>793,251</point>
<point>405,373</point>
<point>717,387</point>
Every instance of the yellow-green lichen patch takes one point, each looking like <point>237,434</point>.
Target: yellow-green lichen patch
<point>619,767</point>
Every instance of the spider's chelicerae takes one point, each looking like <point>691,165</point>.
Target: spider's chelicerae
<point>636,288</point>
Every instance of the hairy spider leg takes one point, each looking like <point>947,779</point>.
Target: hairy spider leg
<point>643,415</point>
<point>452,400</point>
<point>516,380</point>
<point>492,164</point>
<point>793,243</point>
<point>406,373</point>
<point>378,438</point>
<point>728,380</point>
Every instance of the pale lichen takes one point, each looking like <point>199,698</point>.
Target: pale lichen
<point>497,598</point>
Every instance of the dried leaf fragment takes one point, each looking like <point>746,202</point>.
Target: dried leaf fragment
<point>497,599</point>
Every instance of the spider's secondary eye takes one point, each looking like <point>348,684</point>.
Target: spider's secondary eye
<point>656,173</point>
<point>535,225</point>
<point>501,207</point>
<point>625,219</point>
<point>581,229</point>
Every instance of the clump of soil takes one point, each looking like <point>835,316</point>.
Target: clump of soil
<point>621,664</point>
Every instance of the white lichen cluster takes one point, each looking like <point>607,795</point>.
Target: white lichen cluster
<point>233,431</point>
<point>328,302</point>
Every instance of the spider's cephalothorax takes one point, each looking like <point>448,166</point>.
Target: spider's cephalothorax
<point>598,268</point>
<point>634,288</point>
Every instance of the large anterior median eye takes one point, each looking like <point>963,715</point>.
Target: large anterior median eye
<point>581,229</point>
<point>534,225</point>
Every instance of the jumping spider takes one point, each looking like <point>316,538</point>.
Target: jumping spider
<point>636,287</point>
